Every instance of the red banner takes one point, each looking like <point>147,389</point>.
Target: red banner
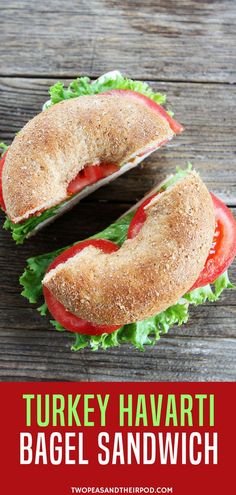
<point>65,438</point>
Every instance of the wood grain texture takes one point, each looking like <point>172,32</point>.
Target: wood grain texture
<point>187,40</point>
<point>186,49</point>
<point>177,359</point>
<point>206,110</point>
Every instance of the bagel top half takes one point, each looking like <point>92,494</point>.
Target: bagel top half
<point>148,273</point>
<point>55,145</point>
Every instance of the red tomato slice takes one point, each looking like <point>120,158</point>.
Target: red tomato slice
<point>2,161</point>
<point>174,125</point>
<point>68,320</point>
<point>139,217</point>
<point>93,173</point>
<point>223,248</point>
<point>108,168</point>
<point>89,175</point>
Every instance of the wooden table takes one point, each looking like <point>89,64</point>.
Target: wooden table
<point>186,49</point>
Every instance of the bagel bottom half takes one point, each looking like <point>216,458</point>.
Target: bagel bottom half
<point>148,273</point>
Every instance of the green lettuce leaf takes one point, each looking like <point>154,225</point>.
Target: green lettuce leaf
<point>79,87</point>
<point>210,292</point>
<point>112,80</point>
<point>20,231</point>
<point>139,334</point>
<point>147,332</point>
<point>3,148</point>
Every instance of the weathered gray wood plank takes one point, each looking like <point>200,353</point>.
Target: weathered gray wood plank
<point>173,358</point>
<point>206,110</point>
<point>185,40</point>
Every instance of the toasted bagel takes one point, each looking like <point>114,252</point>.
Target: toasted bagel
<point>148,273</point>
<point>56,145</point>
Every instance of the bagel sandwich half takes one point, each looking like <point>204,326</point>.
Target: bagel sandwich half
<point>86,136</point>
<point>137,278</point>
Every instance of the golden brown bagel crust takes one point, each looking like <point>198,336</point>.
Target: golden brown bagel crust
<point>148,273</point>
<point>56,144</point>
